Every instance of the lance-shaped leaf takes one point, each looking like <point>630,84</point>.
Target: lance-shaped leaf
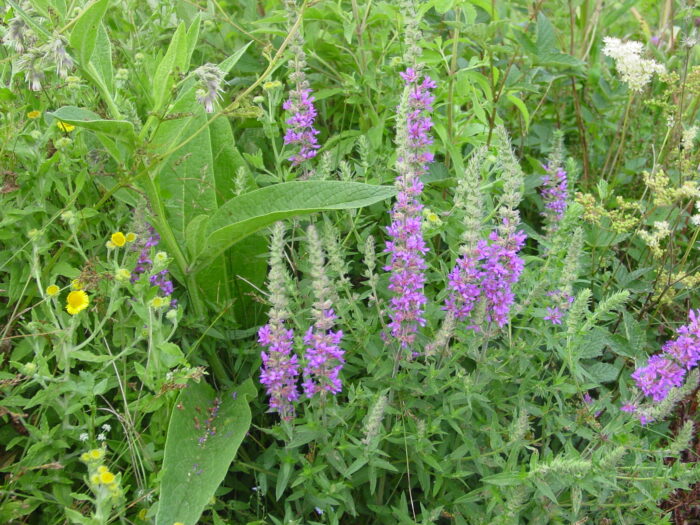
<point>119,129</point>
<point>203,438</point>
<point>244,215</point>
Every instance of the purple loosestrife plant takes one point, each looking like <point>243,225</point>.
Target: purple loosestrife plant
<point>667,370</point>
<point>300,132</point>
<point>280,367</point>
<point>407,246</point>
<point>323,355</point>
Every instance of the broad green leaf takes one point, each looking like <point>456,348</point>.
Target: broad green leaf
<point>244,215</point>
<point>102,59</point>
<point>119,129</point>
<point>85,30</point>
<point>174,57</point>
<point>196,459</point>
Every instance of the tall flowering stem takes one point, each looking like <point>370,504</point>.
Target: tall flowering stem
<point>487,269</point>
<point>554,193</point>
<point>323,355</point>
<point>667,370</point>
<point>407,246</point>
<point>300,132</point>
<point>280,367</point>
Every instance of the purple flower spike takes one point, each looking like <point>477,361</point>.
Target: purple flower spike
<point>667,370</point>
<point>554,193</point>
<point>324,357</point>
<point>301,131</point>
<point>488,274</point>
<point>280,368</point>
<point>407,246</point>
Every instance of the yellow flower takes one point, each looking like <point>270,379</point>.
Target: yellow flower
<point>52,290</point>
<point>95,479</point>
<point>34,114</point>
<point>122,275</point>
<point>77,301</point>
<point>107,477</point>
<point>118,239</point>
<point>158,302</point>
<point>101,469</point>
<point>96,453</point>
<point>84,456</point>
<point>75,284</point>
<point>130,237</point>
<point>64,126</point>
<point>272,85</point>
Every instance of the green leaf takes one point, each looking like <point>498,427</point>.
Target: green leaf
<point>603,372</point>
<point>119,129</point>
<point>244,215</point>
<point>192,37</point>
<point>102,59</point>
<point>192,471</point>
<point>522,107</point>
<point>85,30</point>
<point>174,57</point>
<point>227,64</point>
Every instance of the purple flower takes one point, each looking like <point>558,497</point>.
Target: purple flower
<point>407,246</point>
<point>658,377</point>
<point>629,407</point>
<point>554,193</point>
<point>280,368</point>
<point>324,357</point>
<point>553,315</point>
<point>488,274</point>
<point>667,370</point>
<point>301,131</point>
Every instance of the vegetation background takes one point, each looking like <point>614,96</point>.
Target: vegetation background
<point>144,159</point>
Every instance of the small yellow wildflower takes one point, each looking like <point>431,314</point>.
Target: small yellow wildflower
<point>75,284</point>
<point>122,275</point>
<point>119,239</point>
<point>77,301</point>
<point>107,477</point>
<point>96,453</point>
<point>34,114</point>
<point>52,290</point>
<point>110,245</point>
<point>160,257</point>
<point>130,237</point>
<point>95,479</point>
<point>84,456</point>
<point>158,302</point>
<point>272,85</point>
<point>101,469</point>
<point>64,126</point>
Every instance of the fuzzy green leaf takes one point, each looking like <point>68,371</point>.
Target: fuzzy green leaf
<point>192,471</point>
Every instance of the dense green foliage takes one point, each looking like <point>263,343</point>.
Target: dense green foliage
<point>126,407</point>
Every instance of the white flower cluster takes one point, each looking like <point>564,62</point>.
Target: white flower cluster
<point>635,71</point>
<point>695,219</point>
<point>689,136</point>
